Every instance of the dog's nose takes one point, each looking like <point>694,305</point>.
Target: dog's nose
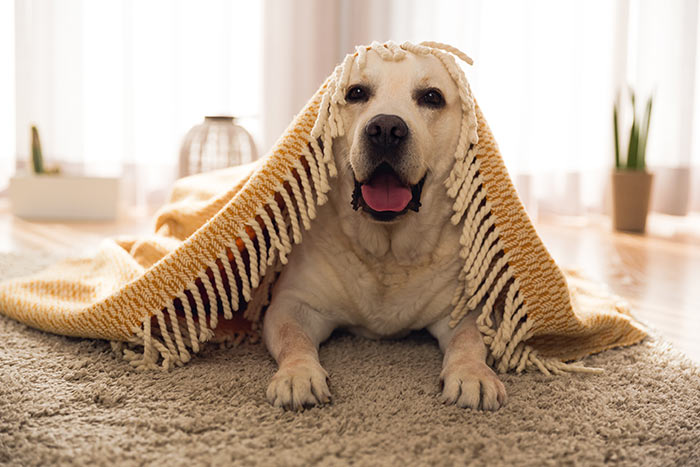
<point>386,131</point>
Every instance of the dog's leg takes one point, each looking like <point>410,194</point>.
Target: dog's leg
<point>292,333</point>
<point>466,379</point>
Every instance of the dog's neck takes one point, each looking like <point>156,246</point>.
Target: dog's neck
<point>417,238</point>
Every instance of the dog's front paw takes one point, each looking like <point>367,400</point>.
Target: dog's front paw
<point>472,385</point>
<point>299,384</point>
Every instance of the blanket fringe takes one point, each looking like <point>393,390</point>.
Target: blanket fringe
<point>486,274</point>
<point>265,241</point>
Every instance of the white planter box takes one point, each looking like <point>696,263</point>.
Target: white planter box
<point>62,197</point>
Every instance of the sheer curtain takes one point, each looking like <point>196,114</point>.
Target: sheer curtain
<point>7,88</point>
<point>546,74</point>
<point>114,84</point>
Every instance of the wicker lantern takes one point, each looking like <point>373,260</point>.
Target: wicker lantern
<point>216,143</point>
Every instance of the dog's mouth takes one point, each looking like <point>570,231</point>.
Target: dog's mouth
<point>385,196</point>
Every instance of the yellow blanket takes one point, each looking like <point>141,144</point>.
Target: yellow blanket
<point>220,242</point>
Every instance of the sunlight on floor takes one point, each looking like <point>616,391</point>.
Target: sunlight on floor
<point>657,273</point>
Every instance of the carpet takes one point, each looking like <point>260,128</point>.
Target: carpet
<point>72,401</point>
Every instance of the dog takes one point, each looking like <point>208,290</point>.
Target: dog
<point>382,258</point>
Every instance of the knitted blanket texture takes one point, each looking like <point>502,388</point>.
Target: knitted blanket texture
<point>219,244</point>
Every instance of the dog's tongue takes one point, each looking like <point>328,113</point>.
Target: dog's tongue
<point>385,192</point>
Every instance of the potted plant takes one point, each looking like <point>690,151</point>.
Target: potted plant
<point>631,182</point>
<point>46,193</point>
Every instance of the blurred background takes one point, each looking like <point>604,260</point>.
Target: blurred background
<point>114,85</point>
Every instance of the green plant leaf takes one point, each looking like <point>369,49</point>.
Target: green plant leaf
<point>644,136</point>
<point>617,136</point>
<point>37,157</point>
<point>634,104</point>
<point>633,145</point>
<point>632,152</point>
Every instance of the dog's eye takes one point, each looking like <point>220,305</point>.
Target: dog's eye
<point>357,94</point>
<point>432,98</point>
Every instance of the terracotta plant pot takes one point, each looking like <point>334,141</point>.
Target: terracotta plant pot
<point>631,194</point>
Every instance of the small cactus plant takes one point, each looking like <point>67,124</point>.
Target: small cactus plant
<point>637,145</point>
<point>38,157</point>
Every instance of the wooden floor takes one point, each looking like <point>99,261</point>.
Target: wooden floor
<point>659,273</point>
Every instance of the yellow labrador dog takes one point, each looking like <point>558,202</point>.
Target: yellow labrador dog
<point>383,256</point>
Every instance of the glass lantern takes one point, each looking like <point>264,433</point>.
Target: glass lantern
<point>216,143</point>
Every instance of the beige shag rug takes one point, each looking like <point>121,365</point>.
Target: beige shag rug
<point>71,401</point>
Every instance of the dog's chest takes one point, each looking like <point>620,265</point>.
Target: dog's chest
<point>388,298</point>
<point>378,296</point>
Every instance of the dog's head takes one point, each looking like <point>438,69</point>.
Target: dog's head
<point>402,122</point>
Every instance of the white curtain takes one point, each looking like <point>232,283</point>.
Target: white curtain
<point>546,74</point>
<point>304,41</point>
<point>114,84</point>
<point>7,91</point>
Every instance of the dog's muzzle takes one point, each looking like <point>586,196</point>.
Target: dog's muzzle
<point>385,196</point>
